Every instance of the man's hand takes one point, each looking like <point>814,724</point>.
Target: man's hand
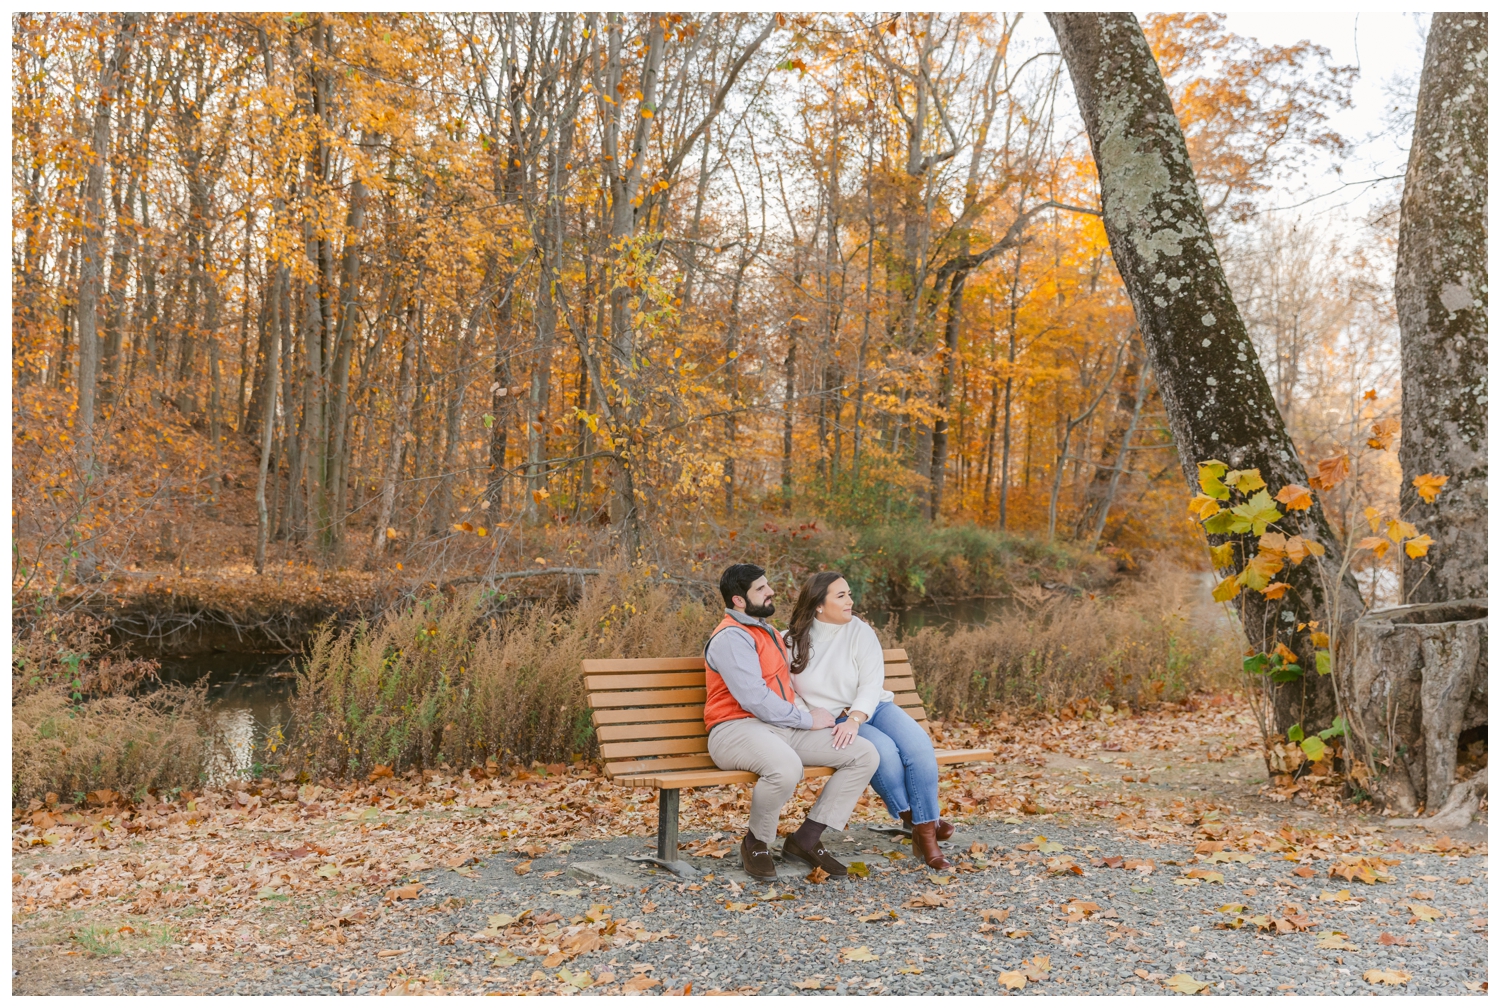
<point>821,718</point>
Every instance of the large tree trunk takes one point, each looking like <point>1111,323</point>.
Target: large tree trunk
<point>1442,297</point>
<point>1217,400</point>
<point>1414,678</point>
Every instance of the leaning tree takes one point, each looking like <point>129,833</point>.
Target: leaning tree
<point>1218,402</point>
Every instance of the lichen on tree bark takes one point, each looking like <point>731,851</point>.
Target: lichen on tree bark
<point>1217,400</point>
<point>1442,299</point>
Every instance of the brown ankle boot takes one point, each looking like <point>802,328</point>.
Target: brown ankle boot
<point>944,827</point>
<point>924,845</point>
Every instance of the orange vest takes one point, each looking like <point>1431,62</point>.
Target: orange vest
<point>720,704</point>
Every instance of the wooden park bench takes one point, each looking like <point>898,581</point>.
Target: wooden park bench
<point>648,714</point>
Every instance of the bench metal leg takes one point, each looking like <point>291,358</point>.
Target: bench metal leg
<point>666,837</point>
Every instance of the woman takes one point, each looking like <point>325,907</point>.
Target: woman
<point>837,664</point>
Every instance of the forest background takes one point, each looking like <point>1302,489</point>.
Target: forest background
<point>455,293</point>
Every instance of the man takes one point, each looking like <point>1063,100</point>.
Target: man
<point>754,724</point>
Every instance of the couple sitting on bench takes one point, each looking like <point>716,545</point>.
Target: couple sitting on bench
<point>815,697</point>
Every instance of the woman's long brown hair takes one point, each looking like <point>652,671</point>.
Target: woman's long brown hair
<point>814,591</point>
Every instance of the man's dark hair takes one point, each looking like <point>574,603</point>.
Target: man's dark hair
<point>736,580</point>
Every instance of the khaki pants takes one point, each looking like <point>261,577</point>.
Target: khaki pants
<point>778,756</point>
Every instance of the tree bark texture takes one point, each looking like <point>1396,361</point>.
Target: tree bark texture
<point>1413,678</point>
<point>1217,400</point>
<point>1442,298</point>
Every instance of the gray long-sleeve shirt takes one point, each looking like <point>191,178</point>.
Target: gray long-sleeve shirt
<point>732,654</point>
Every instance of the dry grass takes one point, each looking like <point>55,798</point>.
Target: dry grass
<point>76,726</point>
<point>443,681</point>
<point>1155,641</point>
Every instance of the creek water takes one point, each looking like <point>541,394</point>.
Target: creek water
<point>250,694</point>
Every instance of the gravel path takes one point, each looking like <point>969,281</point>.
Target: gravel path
<point>900,931</point>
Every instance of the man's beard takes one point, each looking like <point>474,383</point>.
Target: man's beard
<point>760,611</point>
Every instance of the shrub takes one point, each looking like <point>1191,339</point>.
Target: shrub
<point>444,681</point>
<point>1157,641</point>
<point>75,727</point>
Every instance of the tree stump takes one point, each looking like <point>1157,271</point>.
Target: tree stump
<point>1412,678</point>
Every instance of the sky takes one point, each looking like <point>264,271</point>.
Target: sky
<point>1385,47</point>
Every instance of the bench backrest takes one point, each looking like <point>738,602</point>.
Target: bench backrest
<point>648,712</point>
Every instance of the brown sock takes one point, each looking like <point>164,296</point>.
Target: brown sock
<point>808,834</point>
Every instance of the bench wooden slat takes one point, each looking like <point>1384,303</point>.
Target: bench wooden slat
<point>945,756</point>
<point>654,747</point>
<point>706,778</point>
<point>894,655</point>
<point>603,666</point>
<point>908,700</point>
<point>919,715</point>
<point>643,680</point>
<point>664,730</point>
<point>690,712</point>
<point>898,669</point>
<point>697,761</point>
<point>649,698</point>
<point>900,684</point>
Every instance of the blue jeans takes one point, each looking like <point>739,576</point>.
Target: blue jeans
<point>907,777</point>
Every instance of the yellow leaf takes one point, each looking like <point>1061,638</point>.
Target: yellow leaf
<point>1244,480</point>
<point>1037,967</point>
<point>1373,517</point>
<point>1398,530</point>
<point>1419,546</point>
<point>1183,983</point>
<point>1319,639</point>
<point>1259,571</point>
<point>1275,590</point>
<point>811,983</point>
<point>1273,543</point>
<point>1335,940</point>
<point>1047,846</point>
<point>1230,587</point>
<point>1429,485</point>
<point>1374,544</point>
<point>861,953</point>
<point>1296,498</point>
<point>1208,478</point>
<point>1014,979</point>
<point>739,907</point>
<point>1223,556</point>
<point>1393,978</point>
<point>1203,506</point>
<point>1421,911</point>
<point>1255,514</point>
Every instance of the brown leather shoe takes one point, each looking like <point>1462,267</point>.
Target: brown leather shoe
<point>756,859</point>
<point>944,827</point>
<point>818,857</point>
<point>924,845</point>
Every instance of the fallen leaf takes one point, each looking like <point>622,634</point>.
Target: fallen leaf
<point>639,983</point>
<point>871,918</point>
<point>1303,872</point>
<point>407,891</point>
<point>1335,940</point>
<point>1422,912</point>
<point>817,876</point>
<point>1047,846</point>
<point>648,907</point>
<point>1386,938</point>
<point>1037,967</point>
<point>940,879</point>
<point>739,907</point>
<point>1183,983</point>
<point>859,869</point>
<point>1393,978</point>
<point>389,953</point>
<point>811,983</point>
<point>523,868</point>
<point>859,953</point>
<point>994,916</point>
<point>1014,979</point>
<point>579,980</point>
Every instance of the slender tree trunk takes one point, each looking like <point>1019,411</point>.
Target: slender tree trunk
<point>1115,474</point>
<point>951,327</point>
<point>1442,298</point>
<point>789,370</point>
<point>1217,400</point>
<point>267,428</point>
<point>112,67</point>
<point>406,394</point>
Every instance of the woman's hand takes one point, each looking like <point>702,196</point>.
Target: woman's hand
<point>844,732</point>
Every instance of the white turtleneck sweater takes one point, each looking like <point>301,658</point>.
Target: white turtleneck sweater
<point>846,669</point>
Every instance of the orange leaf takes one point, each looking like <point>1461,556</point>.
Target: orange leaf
<point>1429,485</point>
<point>1275,590</point>
<point>1419,546</point>
<point>1331,472</point>
<point>1374,544</point>
<point>1294,497</point>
